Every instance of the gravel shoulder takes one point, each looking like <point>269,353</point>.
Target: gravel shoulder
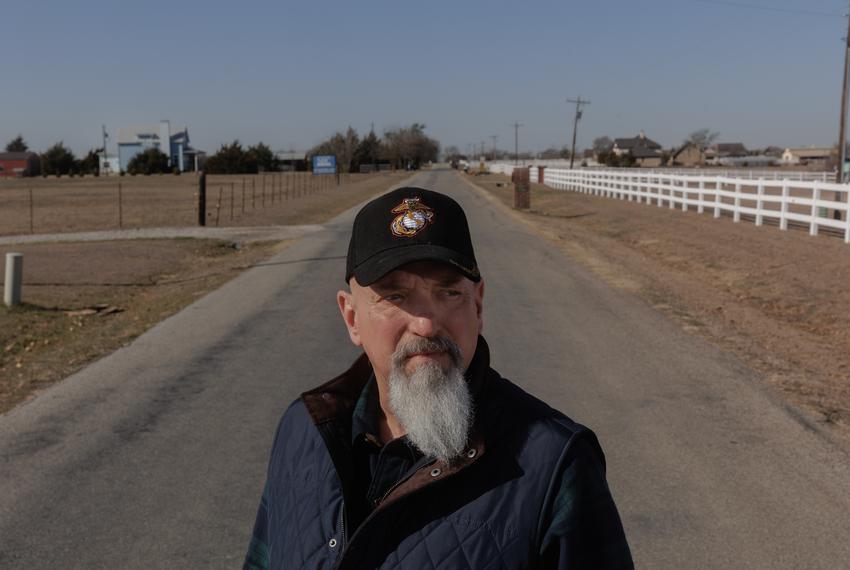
<point>778,300</point>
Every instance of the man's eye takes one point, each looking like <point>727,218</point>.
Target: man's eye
<point>393,297</point>
<point>453,292</point>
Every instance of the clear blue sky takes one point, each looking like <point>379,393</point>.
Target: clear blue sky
<point>290,74</point>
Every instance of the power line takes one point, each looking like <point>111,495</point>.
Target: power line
<point>770,8</point>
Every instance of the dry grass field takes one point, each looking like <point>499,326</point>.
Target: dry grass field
<point>55,205</point>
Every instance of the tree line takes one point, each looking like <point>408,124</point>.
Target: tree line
<point>59,160</point>
<point>400,147</point>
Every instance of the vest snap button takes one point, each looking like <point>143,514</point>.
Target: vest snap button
<point>435,472</point>
<point>332,543</point>
<point>471,453</point>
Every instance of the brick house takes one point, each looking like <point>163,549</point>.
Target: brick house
<point>19,164</point>
<point>689,154</point>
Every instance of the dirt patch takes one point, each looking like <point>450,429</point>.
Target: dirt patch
<point>777,299</point>
<point>83,300</point>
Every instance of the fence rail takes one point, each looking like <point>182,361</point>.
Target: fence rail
<point>746,173</point>
<point>815,204</point>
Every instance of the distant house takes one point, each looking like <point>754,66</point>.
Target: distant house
<point>139,138</point>
<point>646,157</point>
<point>689,154</point>
<point>19,164</point>
<point>812,156</point>
<point>630,145</point>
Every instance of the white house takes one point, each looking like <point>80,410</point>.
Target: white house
<point>138,138</point>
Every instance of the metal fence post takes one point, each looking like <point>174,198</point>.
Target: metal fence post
<point>202,199</point>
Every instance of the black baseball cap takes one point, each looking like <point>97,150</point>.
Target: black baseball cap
<point>406,225</point>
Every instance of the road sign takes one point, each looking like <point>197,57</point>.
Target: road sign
<point>324,164</point>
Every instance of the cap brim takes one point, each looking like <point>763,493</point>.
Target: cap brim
<point>383,262</point>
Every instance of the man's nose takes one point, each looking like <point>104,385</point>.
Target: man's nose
<point>424,320</point>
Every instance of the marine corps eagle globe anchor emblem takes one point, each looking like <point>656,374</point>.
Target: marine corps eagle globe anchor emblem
<point>413,215</point>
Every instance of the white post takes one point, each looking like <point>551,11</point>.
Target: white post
<point>786,194</point>
<point>813,226</point>
<point>659,190</point>
<point>736,216</point>
<point>847,219</point>
<point>760,203</point>
<point>686,187</point>
<point>672,190</point>
<point>717,187</point>
<point>14,277</point>
<point>701,205</point>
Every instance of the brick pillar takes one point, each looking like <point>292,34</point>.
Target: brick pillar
<point>522,188</point>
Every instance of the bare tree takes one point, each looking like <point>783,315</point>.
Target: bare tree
<point>602,145</point>
<point>702,138</point>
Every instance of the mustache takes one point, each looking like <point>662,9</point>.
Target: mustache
<point>420,344</point>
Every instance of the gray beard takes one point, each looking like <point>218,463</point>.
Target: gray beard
<point>433,405</point>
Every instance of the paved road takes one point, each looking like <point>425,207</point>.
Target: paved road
<point>154,456</point>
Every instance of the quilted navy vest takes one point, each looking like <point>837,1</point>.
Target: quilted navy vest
<point>485,511</point>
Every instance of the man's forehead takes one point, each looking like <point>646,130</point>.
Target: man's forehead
<point>440,273</point>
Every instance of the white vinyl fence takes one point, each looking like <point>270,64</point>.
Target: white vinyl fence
<point>748,173</point>
<point>814,204</point>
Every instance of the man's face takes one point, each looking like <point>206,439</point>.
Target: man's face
<point>419,300</point>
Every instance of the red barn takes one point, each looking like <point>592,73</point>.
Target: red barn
<point>18,164</point>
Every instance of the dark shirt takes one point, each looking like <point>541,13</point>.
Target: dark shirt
<point>378,467</point>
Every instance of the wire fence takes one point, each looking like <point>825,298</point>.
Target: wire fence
<point>72,204</point>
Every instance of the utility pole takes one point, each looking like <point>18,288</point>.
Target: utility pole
<point>516,127</point>
<point>482,150</point>
<point>842,131</point>
<point>579,102</point>
<point>495,138</point>
<point>105,163</point>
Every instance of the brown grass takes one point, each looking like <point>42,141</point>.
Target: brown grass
<point>57,205</point>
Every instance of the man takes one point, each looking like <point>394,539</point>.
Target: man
<point>421,455</point>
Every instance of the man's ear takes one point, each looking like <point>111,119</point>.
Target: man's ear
<point>345,300</point>
<point>479,304</point>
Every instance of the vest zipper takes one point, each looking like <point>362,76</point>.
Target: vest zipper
<point>374,512</point>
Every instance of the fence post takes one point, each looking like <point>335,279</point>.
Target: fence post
<point>717,197</point>
<point>686,192</point>
<point>736,216</point>
<point>813,226</point>
<point>671,188</point>
<point>32,216</point>
<point>202,199</point>
<point>783,207</point>
<point>14,278</point>
<point>701,196</point>
<point>231,201</point>
<point>660,189</point>
<point>847,217</point>
<point>120,208</point>
<point>760,203</point>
